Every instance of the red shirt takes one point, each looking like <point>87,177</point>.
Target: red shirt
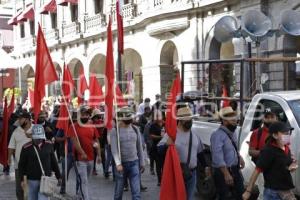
<point>87,136</point>
<point>254,143</point>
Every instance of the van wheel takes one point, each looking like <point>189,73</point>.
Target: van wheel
<point>205,186</point>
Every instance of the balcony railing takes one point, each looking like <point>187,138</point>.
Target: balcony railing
<point>27,44</point>
<point>94,23</point>
<point>157,3</point>
<point>128,11</point>
<point>51,34</point>
<point>71,29</point>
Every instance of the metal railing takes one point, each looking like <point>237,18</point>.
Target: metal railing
<point>95,22</point>
<point>27,43</point>
<point>52,34</point>
<point>128,11</point>
<point>70,30</point>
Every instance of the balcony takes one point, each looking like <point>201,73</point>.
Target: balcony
<point>27,44</point>
<point>52,37</point>
<point>94,24</point>
<point>70,32</point>
<point>129,12</point>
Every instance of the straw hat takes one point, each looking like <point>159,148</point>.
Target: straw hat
<point>96,112</point>
<point>226,112</point>
<point>184,113</point>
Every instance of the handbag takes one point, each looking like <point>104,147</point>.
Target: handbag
<point>186,171</point>
<point>47,183</point>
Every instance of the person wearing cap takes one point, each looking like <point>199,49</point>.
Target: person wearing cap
<point>226,160</point>
<point>30,167</point>
<point>276,163</point>
<point>259,135</point>
<point>131,161</point>
<point>85,139</point>
<point>185,139</point>
<point>97,119</point>
<point>17,140</point>
<point>49,129</point>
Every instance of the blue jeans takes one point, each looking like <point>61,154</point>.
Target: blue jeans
<point>131,170</point>
<point>85,170</point>
<point>270,194</point>
<point>34,191</point>
<point>190,185</point>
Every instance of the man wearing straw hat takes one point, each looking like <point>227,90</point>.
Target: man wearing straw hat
<point>127,152</point>
<point>226,160</point>
<point>189,147</point>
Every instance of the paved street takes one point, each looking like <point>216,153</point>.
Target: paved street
<point>100,188</point>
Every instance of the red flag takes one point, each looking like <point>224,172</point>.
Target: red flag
<point>119,8</point>
<point>4,137</point>
<point>11,106</point>
<point>121,102</point>
<point>82,86</point>
<point>171,124</point>
<point>31,97</point>
<point>172,186</point>
<point>63,120</point>
<point>67,84</point>
<point>224,103</point>
<point>45,71</point>
<point>96,94</point>
<point>110,76</point>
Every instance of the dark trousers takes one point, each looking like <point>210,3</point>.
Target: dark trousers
<point>226,192</point>
<point>158,164</point>
<point>19,189</point>
<point>70,163</point>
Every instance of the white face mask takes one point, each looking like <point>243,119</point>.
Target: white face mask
<point>286,139</point>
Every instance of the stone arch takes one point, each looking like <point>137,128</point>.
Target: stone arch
<point>132,75</point>
<point>27,80</point>
<point>75,65</point>
<point>97,66</point>
<point>220,75</point>
<point>54,88</point>
<point>168,64</point>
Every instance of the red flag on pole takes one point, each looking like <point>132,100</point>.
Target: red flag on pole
<point>45,71</point>
<point>11,106</point>
<point>224,103</point>
<point>119,8</point>
<point>63,120</point>
<point>110,76</point>
<point>82,86</point>
<point>67,84</point>
<point>172,186</point>
<point>121,102</point>
<point>4,136</point>
<point>96,94</point>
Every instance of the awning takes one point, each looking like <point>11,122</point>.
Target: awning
<point>49,7</point>
<point>65,2</point>
<point>13,20</point>
<point>28,13</point>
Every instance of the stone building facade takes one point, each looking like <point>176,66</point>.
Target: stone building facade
<point>158,35</point>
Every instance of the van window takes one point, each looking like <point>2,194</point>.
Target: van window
<point>295,106</point>
<point>267,106</point>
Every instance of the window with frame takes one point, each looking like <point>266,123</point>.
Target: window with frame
<point>74,12</point>
<point>98,6</point>
<point>32,27</point>
<point>53,20</point>
<point>22,30</point>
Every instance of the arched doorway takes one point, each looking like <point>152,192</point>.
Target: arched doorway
<point>75,65</point>
<point>54,89</point>
<point>27,81</point>
<point>221,75</point>
<point>97,66</point>
<point>132,75</point>
<point>291,48</point>
<point>168,64</point>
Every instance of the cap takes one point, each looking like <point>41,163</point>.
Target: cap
<point>147,100</point>
<point>24,114</point>
<point>279,127</point>
<point>227,111</point>
<point>85,109</point>
<point>96,112</point>
<point>38,132</point>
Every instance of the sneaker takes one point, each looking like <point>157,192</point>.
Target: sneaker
<point>62,191</point>
<point>95,173</point>
<point>106,175</point>
<point>152,172</point>
<point>125,189</point>
<point>143,188</point>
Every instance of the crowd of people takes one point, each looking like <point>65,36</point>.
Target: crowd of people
<point>139,134</point>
